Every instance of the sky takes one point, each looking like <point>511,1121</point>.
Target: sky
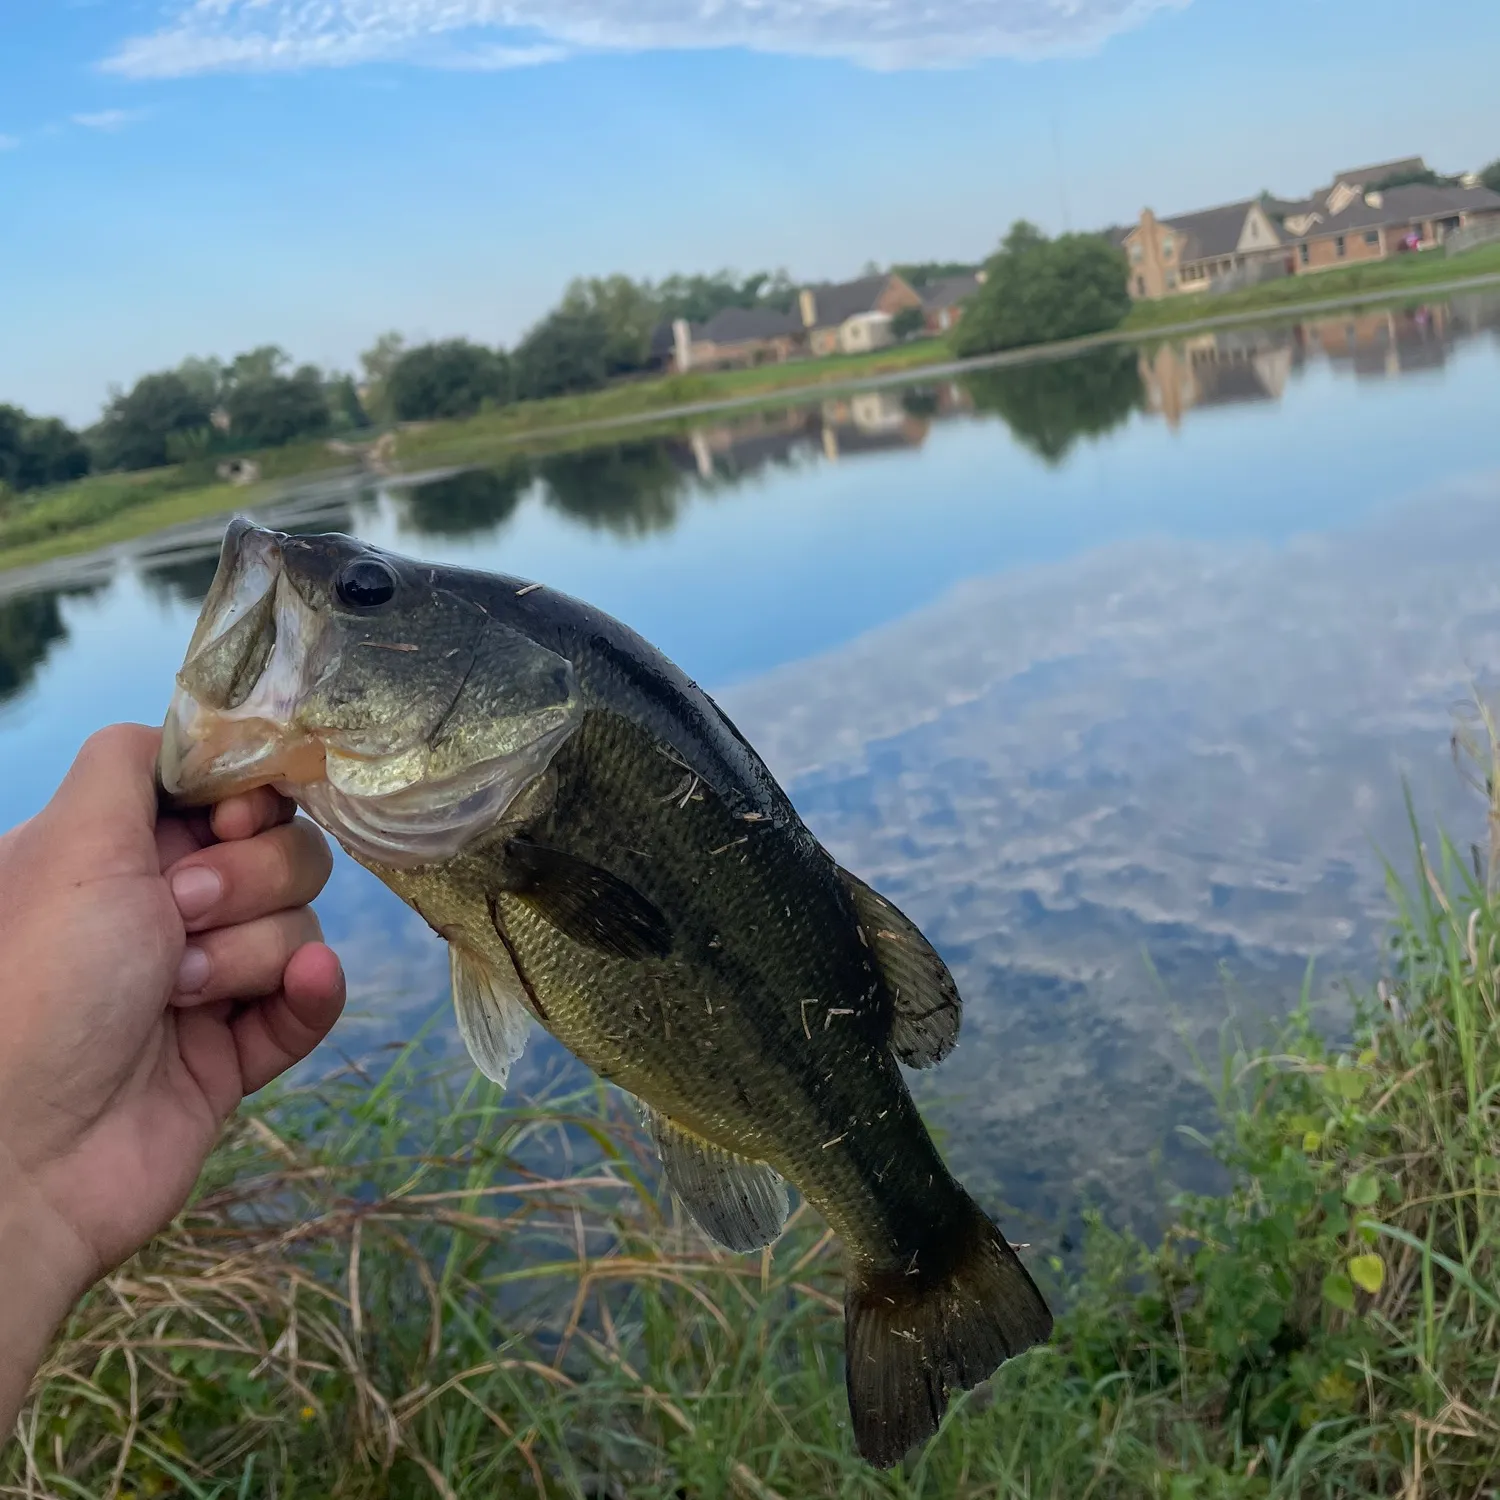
<point>202,176</point>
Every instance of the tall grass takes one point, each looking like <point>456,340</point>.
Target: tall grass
<point>404,1286</point>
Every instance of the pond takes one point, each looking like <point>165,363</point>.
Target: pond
<point>1108,671</point>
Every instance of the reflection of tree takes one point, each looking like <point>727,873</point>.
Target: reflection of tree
<point>631,489</point>
<point>467,504</point>
<point>186,578</point>
<point>29,628</point>
<point>1049,405</point>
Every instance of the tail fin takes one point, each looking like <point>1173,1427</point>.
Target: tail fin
<point>914,1335</point>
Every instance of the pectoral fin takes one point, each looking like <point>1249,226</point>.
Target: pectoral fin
<point>586,903</point>
<point>493,1017</point>
<point>742,1204</point>
<point>927,1006</point>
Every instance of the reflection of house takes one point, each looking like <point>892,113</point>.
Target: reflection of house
<point>1217,369</point>
<point>1189,252</point>
<point>943,300</point>
<point>734,336</point>
<point>852,316</point>
<point>752,442</point>
<point>871,422</point>
<point>1390,341</point>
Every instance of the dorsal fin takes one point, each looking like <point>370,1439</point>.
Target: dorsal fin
<point>927,1007</point>
<point>739,1203</point>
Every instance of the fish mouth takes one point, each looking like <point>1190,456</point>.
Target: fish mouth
<point>229,727</point>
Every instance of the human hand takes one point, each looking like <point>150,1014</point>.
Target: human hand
<point>156,969</point>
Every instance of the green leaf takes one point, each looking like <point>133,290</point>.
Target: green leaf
<point>1362,1190</point>
<point>1311,1140</point>
<point>1367,1272</point>
<point>1339,1290</point>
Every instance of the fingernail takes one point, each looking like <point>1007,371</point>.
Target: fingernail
<point>195,890</point>
<point>192,972</point>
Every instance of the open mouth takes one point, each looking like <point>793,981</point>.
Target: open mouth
<point>229,726</point>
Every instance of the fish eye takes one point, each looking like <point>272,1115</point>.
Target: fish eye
<point>365,583</point>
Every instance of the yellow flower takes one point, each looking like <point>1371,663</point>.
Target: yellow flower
<point>307,1414</point>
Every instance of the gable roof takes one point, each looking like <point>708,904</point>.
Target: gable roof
<point>736,325</point>
<point>1369,176</point>
<point>948,291</point>
<point>835,302</point>
<point>1402,205</point>
<point>1212,232</point>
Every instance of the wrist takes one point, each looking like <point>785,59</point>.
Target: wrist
<point>43,1272</point>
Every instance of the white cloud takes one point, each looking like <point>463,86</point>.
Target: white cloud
<point>205,36</point>
<point>9,143</point>
<point>108,119</point>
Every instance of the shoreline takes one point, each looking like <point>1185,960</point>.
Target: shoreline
<point>424,446</point>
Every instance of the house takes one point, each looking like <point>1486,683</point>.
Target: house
<point>1190,252</point>
<point>734,337</point>
<point>943,300</point>
<point>852,316</point>
<point>1346,223</point>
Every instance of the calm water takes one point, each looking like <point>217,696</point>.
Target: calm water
<point>1108,671</point>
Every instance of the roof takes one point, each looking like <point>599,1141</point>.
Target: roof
<point>1212,232</point>
<point>1369,176</point>
<point>1402,205</point>
<point>948,291</point>
<point>738,325</point>
<point>837,301</point>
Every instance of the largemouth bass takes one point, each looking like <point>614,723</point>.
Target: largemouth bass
<point>606,855</point>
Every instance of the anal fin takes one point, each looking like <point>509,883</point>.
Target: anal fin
<point>927,1005</point>
<point>739,1203</point>
<point>493,1017</point>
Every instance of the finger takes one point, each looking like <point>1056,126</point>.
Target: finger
<point>245,962</point>
<point>181,834</point>
<point>279,1032</point>
<point>252,812</point>
<point>102,819</point>
<point>236,882</point>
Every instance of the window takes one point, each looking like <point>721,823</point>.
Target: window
<point>1140,286</point>
<point>1135,252</point>
<point>1171,280</point>
<point>1166,249</point>
<point>1338,246</point>
<point>1302,252</point>
<point>1372,236</point>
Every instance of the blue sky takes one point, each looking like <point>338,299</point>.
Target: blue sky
<point>200,176</point>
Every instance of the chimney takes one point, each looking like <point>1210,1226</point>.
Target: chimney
<point>809,305</point>
<point>682,343</point>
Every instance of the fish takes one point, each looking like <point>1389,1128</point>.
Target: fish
<point>607,857</point>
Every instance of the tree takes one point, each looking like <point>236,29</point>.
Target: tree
<point>1037,290</point>
<point>1490,177</point>
<point>626,311</point>
<point>136,427</point>
<point>919,274</point>
<point>450,379</point>
<point>1049,405</point>
<point>345,409</point>
<point>907,321</point>
<point>267,409</point>
<point>562,354</point>
<point>377,362</point>
<point>697,298</point>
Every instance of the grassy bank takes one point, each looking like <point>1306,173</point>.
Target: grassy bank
<point>394,1288</point>
<point>104,509</point>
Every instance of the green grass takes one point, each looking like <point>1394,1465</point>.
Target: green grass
<point>376,1295</point>
<point>1374,278</point>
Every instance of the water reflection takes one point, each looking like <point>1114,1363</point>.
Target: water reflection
<point>468,504</point>
<point>630,489</point>
<point>29,628</point>
<point>1050,406</point>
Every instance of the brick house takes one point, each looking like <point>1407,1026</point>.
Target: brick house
<point>733,338</point>
<point>1347,224</point>
<point>850,316</point>
<point>943,300</point>
<point>1189,252</point>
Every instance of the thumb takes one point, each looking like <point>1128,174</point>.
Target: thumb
<point>102,818</point>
